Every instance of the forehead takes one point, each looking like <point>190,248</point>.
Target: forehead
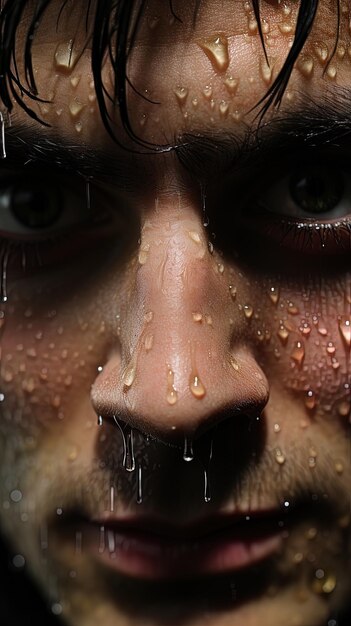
<point>192,65</point>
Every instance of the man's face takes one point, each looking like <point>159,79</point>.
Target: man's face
<point>197,300</point>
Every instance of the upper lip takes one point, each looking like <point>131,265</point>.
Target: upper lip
<point>265,519</point>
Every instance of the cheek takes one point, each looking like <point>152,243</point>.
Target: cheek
<point>303,335</point>
<point>50,355</point>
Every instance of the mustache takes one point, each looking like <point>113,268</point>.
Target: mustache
<point>163,483</point>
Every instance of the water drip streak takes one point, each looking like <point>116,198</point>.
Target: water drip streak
<point>3,276</point>
<point>87,193</point>
<point>206,220</point>
<point>130,459</point>
<point>188,453</point>
<point>2,137</point>
<point>128,444</point>
<point>207,490</point>
<point>139,485</point>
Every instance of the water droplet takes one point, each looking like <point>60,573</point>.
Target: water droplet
<point>321,51</point>
<point>292,309</point>
<point>181,93</point>
<point>231,84</point>
<point>283,334</point>
<point>129,375</point>
<point>75,108</point>
<point>2,137</point>
<point>345,330</point>
<point>305,329</point>
<point>172,396</point>
<point>339,467</point>
<point>16,495</point>
<point>252,26</point>
<point>344,408</point>
<point>188,453</point>
<point>18,561</point>
<point>298,353</point>
<point>102,544</point>
<point>197,317</point>
<point>331,72</point>
<point>233,292</point>
<point>223,108</point>
<point>208,319</point>
<point>148,342</point>
<point>56,608</point>
<point>139,485</point>
<point>148,317</point>
<point>196,387</point>
<point>78,126</point>
<point>274,293</point>
<point>248,311</point>
<point>321,328</point>
<point>266,72</point>
<point>234,363</point>
<point>220,268</point>
<point>65,56</point>
<point>99,420</point>
<point>277,428</point>
<point>310,400</point>
<point>143,253</point>
<point>285,28</point>
<point>207,91</point>
<point>279,456</point>
<point>194,236</point>
<point>325,584</point>
<point>111,541</point>
<point>305,65</point>
<point>216,50</point>
<point>75,81</point>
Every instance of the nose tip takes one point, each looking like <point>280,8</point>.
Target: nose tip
<point>170,407</point>
<point>177,371</point>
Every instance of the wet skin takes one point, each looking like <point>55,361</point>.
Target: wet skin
<point>234,335</point>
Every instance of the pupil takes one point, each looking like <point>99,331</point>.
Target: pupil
<point>316,190</point>
<point>34,208</point>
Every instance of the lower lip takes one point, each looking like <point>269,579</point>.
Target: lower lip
<point>142,555</point>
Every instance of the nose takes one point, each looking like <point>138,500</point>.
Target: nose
<point>182,363</point>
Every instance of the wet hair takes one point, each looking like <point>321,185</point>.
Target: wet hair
<point>115,25</point>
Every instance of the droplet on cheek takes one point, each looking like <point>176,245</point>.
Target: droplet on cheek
<point>298,353</point>
<point>345,331</point>
<point>196,387</point>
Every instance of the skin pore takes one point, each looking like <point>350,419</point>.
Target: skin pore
<point>187,293</point>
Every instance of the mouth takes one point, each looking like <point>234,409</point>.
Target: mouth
<point>149,549</point>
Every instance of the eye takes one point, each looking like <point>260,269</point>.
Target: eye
<point>310,192</point>
<point>32,208</point>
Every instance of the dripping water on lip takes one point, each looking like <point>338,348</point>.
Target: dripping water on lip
<point>99,420</point>
<point>2,137</point>
<point>128,445</point>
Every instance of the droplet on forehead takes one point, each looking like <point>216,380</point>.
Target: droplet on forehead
<point>216,50</point>
<point>66,56</point>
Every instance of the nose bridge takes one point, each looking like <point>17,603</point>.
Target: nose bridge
<point>176,368</point>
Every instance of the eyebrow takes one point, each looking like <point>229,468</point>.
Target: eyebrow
<point>205,154</point>
<point>312,126</point>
